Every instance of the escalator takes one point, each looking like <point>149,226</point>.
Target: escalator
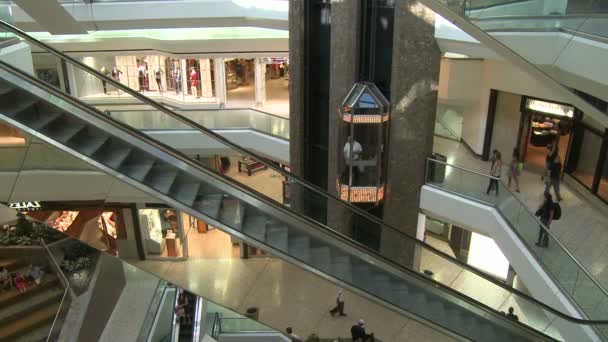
<point>291,232</point>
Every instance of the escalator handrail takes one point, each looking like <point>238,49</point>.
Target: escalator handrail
<point>93,111</point>
<point>261,159</point>
<point>540,224</point>
<point>204,110</point>
<point>314,224</point>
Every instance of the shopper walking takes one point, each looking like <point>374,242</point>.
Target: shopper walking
<point>545,212</point>
<point>339,308</point>
<point>495,170</point>
<point>514,170</point>
<point>553,178</point>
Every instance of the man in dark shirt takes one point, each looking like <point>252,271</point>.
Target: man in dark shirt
<point>511,315</point>
<point>358,333</point>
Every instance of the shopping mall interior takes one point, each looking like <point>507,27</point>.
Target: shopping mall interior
<point>288,170</point>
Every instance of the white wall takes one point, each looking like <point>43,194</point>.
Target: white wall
<point>478,77</point>
<point>18,55</point>
<point>506,124</point>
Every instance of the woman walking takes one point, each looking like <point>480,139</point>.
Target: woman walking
<point>514,170</point>
<point>495,170</point>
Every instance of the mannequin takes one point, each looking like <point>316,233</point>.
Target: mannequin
<point>194,83</point>
<point>141,77</point>
<point>177,79</point>
<point>158,74</point>
<point>104,72</point>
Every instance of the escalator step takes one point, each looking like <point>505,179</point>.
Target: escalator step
<point>277,237</point>
<point>255,227</point>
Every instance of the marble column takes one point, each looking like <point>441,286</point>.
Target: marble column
<point>296,85</point>
<point>415,77</point>
<point>220,81</point>
<point>344,69</point>
<point>259,82</point>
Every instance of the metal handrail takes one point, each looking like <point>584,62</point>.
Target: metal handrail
<point>339,236</point>
<point>314,224</point>
<point>216,319</point>
<point>205,110</point>
<point>66,292</point>
<point>63,276</point>
<point>547,231</point>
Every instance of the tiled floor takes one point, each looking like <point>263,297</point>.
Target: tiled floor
<point>287,296</point>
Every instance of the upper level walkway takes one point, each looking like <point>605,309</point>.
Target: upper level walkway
<point>583,228</point>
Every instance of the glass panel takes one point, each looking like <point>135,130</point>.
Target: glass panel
<point>216,119</point>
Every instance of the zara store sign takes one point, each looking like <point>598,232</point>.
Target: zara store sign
<point>32,205</point>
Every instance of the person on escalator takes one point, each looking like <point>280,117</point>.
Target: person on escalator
<point>182,310</point>
<point>512,315</point>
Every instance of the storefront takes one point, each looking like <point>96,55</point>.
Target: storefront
<point>181,79</point>
<point>103,227</point>
<point>224,81</point>
<point>162,232</point>
<point>543,124</point>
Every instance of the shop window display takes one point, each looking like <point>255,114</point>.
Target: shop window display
<point>161,232</point>
<point>151,75</point>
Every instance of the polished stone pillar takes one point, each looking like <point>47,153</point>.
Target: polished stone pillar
<point>344,72</point>
<point>260,82</point>
<point>296,85</point>
<point>220,81</point>
<point>415,76</point>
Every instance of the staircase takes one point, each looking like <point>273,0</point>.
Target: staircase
<point>28,316</point>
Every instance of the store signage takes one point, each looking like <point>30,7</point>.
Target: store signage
<point>550,108</point>
<point>273,60</point>
<point>33,205</point>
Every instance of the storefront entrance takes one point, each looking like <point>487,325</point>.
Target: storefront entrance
<point>542,125</point>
